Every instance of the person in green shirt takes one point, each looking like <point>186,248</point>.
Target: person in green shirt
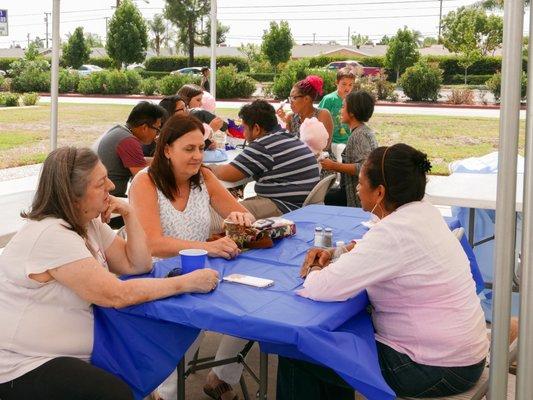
<point>333,103</point>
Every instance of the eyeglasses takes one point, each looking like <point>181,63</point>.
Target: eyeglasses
<point>293,98</point>
<point>156,129</point>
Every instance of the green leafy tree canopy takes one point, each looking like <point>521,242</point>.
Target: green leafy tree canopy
<point>127,37</point>
<point>76,51</point>
<point>471,27</point>
<point>158,30</point>
<point>186,15</point>
<point>93,40</point>
<point>222,30</point>
<point>277,43</point>
<point>472,34</point>
<point>402,51</point>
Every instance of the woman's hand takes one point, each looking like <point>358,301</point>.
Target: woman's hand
<point>241,218</point>
<point>216,124</point>
<point>223,247</point>
<point>328,164</point>
<point>316,257</point>
<point>201,280</point>
<point>116,206</point>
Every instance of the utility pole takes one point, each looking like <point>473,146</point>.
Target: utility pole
<point>314,35</point>
<point>348,36</point>
<point>440,21</point>
<point>28,36</point>
<point>46,14</point>
<point>106,25</point>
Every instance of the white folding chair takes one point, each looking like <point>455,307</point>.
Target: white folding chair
<point>318,194</point>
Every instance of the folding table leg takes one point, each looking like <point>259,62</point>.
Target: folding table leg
<point>263,375</point>
<point>181,380</point>
<point>471,226</point>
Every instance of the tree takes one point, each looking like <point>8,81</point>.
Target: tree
<point>359,40</point>
<point>222,30</point>
<point>384,40</point>
<point>417,36</point>
<point>38,42</point>
<point>186,15</point>
<point>93,40</point>
<point>76,51</point>
<point>251,51</point>
<point>429,41</point>
<point>127,37</point>
<point>495,4</point>
<point>158,30</point>
<point>277,43</point>
<point>402,51</point>
<point>472,34</point>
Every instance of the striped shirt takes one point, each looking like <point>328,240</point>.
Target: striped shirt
<point>284,168</point>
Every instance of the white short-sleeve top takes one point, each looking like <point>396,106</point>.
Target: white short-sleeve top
<point>42,321</point>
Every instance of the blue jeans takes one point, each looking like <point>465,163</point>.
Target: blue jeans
<point>299,380</point>
<point>408,378</point>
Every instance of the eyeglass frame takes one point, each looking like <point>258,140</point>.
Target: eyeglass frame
<point>293,98</point>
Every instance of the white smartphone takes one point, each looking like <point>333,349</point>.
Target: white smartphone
<point>263,223</point>
<point>248,280</point>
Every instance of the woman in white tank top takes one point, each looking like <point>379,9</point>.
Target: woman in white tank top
<point>173,199</point>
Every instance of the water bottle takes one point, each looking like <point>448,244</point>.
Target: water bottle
<point>327,241</point>
<point>319,236</point>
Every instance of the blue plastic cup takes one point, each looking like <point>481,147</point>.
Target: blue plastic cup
<point>192,259</point>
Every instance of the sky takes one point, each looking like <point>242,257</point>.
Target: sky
<point>310,20</point>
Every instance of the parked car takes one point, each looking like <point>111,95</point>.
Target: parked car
<point>136,67</point>
<point>188,70</point>
<point>359,68</point>
<point>87,69</point>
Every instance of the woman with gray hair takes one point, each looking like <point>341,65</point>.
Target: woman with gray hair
<point>63,260</point>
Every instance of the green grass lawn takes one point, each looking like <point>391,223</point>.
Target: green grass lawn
<point>24,132</point>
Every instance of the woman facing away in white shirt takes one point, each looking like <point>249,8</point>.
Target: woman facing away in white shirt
<point>429,326</point>
<point>63,260</point>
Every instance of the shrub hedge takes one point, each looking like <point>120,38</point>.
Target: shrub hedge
<point>262,76</point>
<point>421,81</point>
<point>103,62</point>
<point>459,79</point>
<point>233,84</point>
<point>68,81</point>
<point>170,84</point>
<point>177,62</point>
<point>5,62</point>
<point>155,74</point>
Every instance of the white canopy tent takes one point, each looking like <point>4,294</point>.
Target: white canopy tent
<point>505,209</point>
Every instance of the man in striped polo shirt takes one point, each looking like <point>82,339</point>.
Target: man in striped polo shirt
<point>284,168</point>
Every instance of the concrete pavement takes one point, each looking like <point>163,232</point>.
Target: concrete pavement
<point>380,109</point>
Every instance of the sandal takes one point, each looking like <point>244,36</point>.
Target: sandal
<point>217,392</point>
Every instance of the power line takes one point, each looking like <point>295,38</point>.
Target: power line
<point>336,11</point>
<point>331,19</point>
<point>335,4</point>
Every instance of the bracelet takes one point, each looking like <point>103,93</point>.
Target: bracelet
<point>313,267</point>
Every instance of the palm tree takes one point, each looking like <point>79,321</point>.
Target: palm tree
<point>158,30</point>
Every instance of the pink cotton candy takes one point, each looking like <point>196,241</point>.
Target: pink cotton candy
<point>314,134</point>
<point>208,102</point>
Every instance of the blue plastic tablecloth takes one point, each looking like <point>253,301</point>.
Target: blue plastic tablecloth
<point>142,344</point>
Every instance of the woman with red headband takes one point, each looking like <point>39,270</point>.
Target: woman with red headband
<point>302,96</point>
